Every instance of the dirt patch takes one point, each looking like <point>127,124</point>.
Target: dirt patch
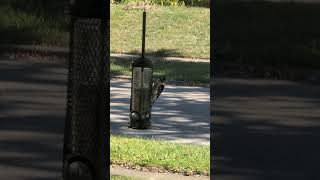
<point>154,169</point>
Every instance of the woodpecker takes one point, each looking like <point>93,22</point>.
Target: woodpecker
<point>157,88</point>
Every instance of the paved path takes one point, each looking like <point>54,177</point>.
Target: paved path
<point>263,129</point>
<point>181,114</point>
<point>266,130</point>
<point>61,51</point>
<point>32,114</point>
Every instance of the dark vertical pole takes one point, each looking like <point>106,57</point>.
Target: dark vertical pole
<point>143,32</point>
<point>87,119</point>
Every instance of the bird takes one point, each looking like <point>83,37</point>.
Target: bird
<point>157,88</point>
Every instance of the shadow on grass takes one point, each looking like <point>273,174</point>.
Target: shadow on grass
<point>48,8</point>
<point>34,23</point>
<point>173,70</point>
<point>266,33</point>
<point>25,35</point>
<point>160,53</point>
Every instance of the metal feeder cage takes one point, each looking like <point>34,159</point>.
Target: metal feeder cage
<point>87,118</point>
<point>144,91</point>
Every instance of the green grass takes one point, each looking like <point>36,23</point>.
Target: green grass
<point>196,72</point>
<point>23,26</point>
<point>114,177</point>
<point>256,33</point>
<point>261,33</point>
<point>171,31</point>
<point>160,154</point>
<point>202,3</point>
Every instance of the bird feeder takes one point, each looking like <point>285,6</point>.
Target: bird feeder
<point>144,91</point>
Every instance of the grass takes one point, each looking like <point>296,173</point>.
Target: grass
<point>256,33</point>
<point>114,177</point>
<point>201,3</point>
<point>196,72</point>
<point>23,26</point>
<point>261,33</point>
<point>171,31</point>
<point>172,157</point>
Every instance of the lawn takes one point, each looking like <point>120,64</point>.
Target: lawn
<point>171,31</point>
<point>260,33</point>
<point>191,72</point>
<point>256,33</point>
<point>20,24</point>
<point>156,154</point>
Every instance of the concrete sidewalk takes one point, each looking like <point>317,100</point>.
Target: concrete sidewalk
<point>181,114</point>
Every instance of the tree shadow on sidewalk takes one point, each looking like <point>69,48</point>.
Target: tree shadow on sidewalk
<point>265,130</point>
<point>32,113</point>
<point>175,116</point>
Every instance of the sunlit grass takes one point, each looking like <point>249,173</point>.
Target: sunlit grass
<point>193,159</point>
<point>171,31</point>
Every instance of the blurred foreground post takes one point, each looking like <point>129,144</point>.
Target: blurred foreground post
<point>87,120</point>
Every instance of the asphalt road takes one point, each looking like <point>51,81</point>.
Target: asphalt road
<point>32,114</point>
<point>265,130</point>
<point>262,130</point>
<point>181,114</point>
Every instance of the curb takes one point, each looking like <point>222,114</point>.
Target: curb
<point>64,52</point>
<point>168,82</point>
<point>34,49</point>
<point>130,56</point>
<point>145,175</point>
